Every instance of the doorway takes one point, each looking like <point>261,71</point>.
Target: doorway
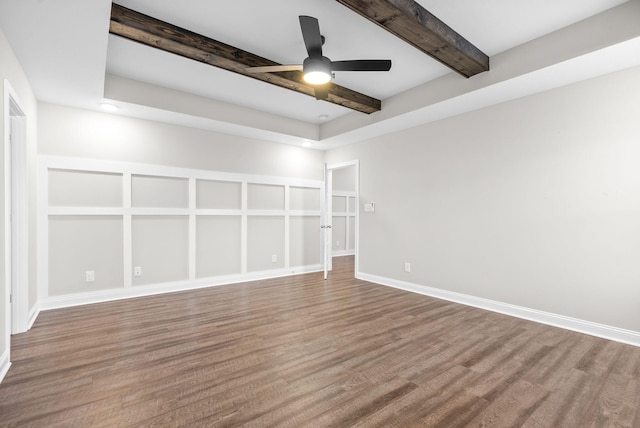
<point>15,215</point>
<point>341,213</point>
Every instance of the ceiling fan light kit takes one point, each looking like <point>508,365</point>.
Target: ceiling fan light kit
<point>317,71</point>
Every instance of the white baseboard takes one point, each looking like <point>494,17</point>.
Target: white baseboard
<point>343,253</point>
<point>629,337</point>
<point>4,365</point>
<point>33,315</point>
<point>68,300</point>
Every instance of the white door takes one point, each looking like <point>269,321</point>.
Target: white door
<point>327,219</point>
<point>16,222</point>
<point>9,245</point>
<point>328,213</point>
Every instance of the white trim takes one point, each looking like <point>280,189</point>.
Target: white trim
<point>287,225</point>
<point>327,236</point>
<point>266,213</point>
<point>357,222</point>
<point>4,365</point>
<point>16,281</point>
<point>160,211</point>
<point>20,217</point>
<point>127,231</point>
<point>629,337</point>
<point>347,215</point>
<point>103,211</point>
<point>221,212</point>
<point>117,167</point>
<point>85,211</point>
<point>6,335</point>
<point>345,193</point>
<point>355,163</point>
<point>33,314</point>
<point>300,213</point>
<point>343,253</point>
<point>343,214</point>
<point>244,226</point>
<point>322,231</point>
<point>68,300</point>
<point>341,165</point>
<point>191,256</point>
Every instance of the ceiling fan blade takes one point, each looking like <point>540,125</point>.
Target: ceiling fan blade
<point>322,92</point>
<point>362,65</point>
<point>274,68</point>
<point>311,35</point>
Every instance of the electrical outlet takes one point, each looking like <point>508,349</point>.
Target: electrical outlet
<point>90,276</point>
<point>137,271</point>
<point>274,258</point>
<point>337,243</point>
<point>407,267</point>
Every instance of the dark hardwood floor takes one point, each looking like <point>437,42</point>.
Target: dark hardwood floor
<point>300,351</point>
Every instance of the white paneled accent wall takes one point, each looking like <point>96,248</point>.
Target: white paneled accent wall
<point>343,223</point>
<point>111,230</point>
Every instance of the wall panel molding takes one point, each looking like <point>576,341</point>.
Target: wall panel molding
<point>190,212</point>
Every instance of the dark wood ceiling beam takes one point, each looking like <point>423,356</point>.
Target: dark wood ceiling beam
<point>152,32</point>
<point>418,27</point>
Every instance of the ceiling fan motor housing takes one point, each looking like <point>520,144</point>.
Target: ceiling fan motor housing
<point>319,66</point>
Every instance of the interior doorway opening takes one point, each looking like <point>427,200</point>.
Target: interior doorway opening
<point>341,235</point>
<point>15,215</point>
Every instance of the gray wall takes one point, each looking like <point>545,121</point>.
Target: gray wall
<point>11,70</point>
<point>345,178</point>
<point>66,131</point>
<point>90,243</point>
<point>534,202</point>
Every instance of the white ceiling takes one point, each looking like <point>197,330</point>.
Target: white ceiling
<point>66,52</point>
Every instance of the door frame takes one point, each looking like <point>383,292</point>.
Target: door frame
<point>16,221</point>
<point>328,212</point>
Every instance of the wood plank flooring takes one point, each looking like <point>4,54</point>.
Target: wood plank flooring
<point>300,351</point>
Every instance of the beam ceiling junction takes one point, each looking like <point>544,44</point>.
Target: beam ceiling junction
<point>415,25</point>
<point>152,32</point>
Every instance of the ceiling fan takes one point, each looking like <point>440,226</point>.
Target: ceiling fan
<point>318,69</point>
